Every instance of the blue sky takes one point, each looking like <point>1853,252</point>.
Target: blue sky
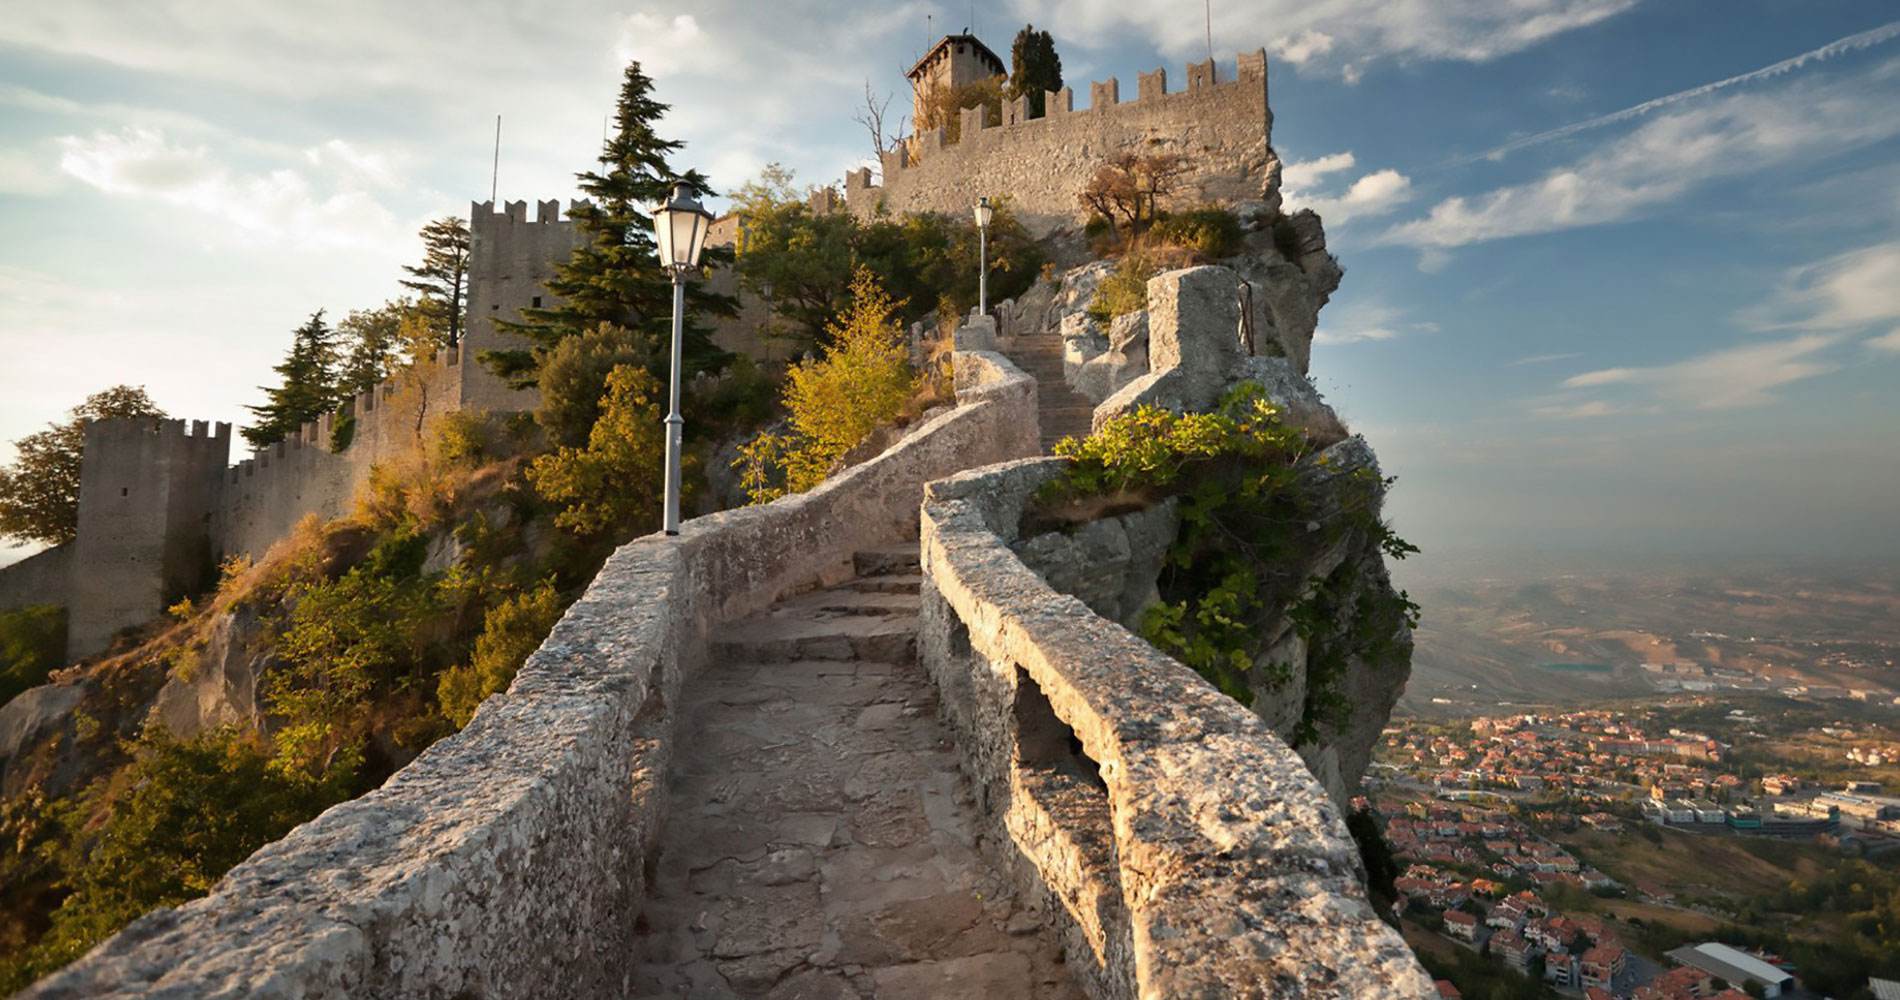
<point>1668,333</point>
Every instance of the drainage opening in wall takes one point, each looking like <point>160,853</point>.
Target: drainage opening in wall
<point>1044,741</point>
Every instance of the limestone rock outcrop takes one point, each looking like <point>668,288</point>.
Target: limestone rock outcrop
<point>1326,689</point>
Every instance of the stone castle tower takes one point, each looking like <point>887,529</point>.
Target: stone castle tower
<point>955,61</point>
<point>510,260</point>
<point>148,492</point>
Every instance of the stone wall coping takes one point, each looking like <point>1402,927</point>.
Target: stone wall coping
<point>1237,871</point>
<point>507,860</point>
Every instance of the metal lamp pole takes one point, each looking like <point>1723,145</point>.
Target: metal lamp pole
<point>983,211</point>
<point>675,423</point>
<point>679,229</point>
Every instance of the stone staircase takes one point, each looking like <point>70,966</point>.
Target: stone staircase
<point>822,841</point>
<point>1063,412</point>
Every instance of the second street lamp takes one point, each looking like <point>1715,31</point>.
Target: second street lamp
<point>679,229</point>
<point>982,212</point>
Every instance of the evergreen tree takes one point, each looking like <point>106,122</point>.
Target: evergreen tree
<point>309,387</point>
<point>442,277</point>
<point>39,492</point>
<point>614,277</point>
<point>1034,67</point>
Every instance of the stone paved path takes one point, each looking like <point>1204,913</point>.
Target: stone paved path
<point>821,843</point>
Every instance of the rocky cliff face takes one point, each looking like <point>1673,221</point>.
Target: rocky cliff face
<point>1333,650</point>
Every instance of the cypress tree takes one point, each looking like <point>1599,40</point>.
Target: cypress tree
<point>1034,67</point>
<point>308,388</point>
<point>613,276</point>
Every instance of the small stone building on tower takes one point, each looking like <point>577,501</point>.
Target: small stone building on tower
<point>955,61</point>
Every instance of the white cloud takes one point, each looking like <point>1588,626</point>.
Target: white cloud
<point>1357,323</point>
<point>1849,291</point>
<point>276,206</point>
<point>1723,379</point>
<point>1852,43</point>
<point>1303,47</point>
<point>30,171</point>
<point>1579,411</point>
<point>1540,359</point>
<point>1888,342</point>
<point>1353,30</point>
<point>1305,173</point>
<point>1375,193</point>
<point>663,45</point>
<point>1666,157</point>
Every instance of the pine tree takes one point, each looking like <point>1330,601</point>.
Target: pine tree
<point>39,492</point>
<point>308,390</point>
<point>1034,67</point>
<point>614,276</point>
<point>442,277</point>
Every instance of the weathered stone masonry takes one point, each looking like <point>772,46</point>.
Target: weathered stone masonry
<point>509,860</point>
<point>1221,123</point>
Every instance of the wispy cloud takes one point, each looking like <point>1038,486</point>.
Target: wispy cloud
<point>1356,323</point>
<point>1888,342</point>
<point>1539,359</point>
<point>1852,43</point>
<point>1339,35</point>
<point>1669,155</point>
<point>1849,291</point>
<point>1728,378</point>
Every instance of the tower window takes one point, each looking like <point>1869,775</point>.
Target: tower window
<point>125,491</point>
<point>537,302</point>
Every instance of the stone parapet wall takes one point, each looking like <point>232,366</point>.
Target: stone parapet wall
<point>1221,124</point>
<point>509,860</point>
<point>1190,851</point>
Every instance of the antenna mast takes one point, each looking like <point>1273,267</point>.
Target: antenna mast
<point>1207,7</point>
<point>494,179</point>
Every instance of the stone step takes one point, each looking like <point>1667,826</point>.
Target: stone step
<point>848,601</point>
<point>771,639</point>
<point>889,583</point>
<point>895,559</point>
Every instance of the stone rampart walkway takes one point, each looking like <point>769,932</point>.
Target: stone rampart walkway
<point>821,843</point>
<point>1063,412</point>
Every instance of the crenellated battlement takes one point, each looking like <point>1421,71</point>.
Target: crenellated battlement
<point>482,214</point>
<point>1220,123</point>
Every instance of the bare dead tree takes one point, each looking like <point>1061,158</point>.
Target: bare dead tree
<point>871,116</point>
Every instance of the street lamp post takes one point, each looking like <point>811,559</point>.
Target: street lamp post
<point>679,229</point>
<point>983,211</point>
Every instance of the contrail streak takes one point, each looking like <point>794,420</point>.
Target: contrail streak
<point>1852,43</point>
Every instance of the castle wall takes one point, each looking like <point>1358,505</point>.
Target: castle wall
<point>147,493</point>
<point>41,578</point>
<point>1221,123</point>
<point>264,496</point>
<point>510,261</point>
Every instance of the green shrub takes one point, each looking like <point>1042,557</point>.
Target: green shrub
<point>615,482</point>
<point>511,631</point>
<point>1211,233</point>
<point>343,432</point>
<point>1248,518</point>
<point>32,644</point>
<point>1125,290</point>
<point>191,810</point>
<point>861,380</point>
<point>573,380</point>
